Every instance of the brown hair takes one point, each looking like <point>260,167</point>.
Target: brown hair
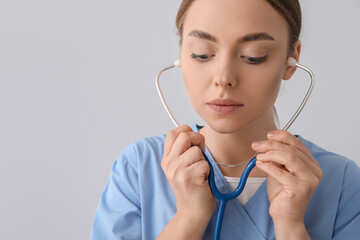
<point>289,9</point>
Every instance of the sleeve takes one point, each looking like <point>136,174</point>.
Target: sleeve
<point>347,222</point>
<point>118,215</point>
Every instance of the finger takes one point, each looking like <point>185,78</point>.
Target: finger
<point>269,145</point>
<point>186,140</point>
<point>282,176</point>
<point>200,170</point>
<point>191,156</point>
<point>171,137</point>
<point>288,138</point>
<point>291,140</point>
<point>291,162</point>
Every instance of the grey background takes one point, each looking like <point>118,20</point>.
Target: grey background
<point>77,87</point>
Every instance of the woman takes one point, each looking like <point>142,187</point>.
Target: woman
<point>233,56</point>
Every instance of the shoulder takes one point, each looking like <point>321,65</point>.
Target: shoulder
<point>334,210</point>
<point>149,149</point>
<point>340,174</point>
<point>328,160</point>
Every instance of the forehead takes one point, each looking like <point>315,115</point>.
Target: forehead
<point>230,19</point>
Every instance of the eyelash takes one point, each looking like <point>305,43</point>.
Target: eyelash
<point>251,60</point>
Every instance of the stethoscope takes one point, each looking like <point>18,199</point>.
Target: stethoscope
<point>224,198</point>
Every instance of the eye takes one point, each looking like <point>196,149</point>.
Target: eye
<point>201,57</point>
<point>255,60</point>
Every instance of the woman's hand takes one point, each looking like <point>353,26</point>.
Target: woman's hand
<point>187,172</point>
<point>293,176</point>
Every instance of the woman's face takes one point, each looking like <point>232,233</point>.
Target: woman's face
<point>234,50</point>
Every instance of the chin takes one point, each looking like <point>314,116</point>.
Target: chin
<point>227,125</point>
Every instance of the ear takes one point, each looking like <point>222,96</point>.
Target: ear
<point>289,71</point>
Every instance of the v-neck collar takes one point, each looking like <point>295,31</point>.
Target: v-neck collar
<point>245,221</point>
<point>219,177</point>
<point>252,220</point>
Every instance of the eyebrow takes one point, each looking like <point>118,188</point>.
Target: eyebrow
<point>247,38</point>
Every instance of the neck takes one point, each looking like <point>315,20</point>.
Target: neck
<point>235,148</point>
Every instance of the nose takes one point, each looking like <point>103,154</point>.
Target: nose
<point>225,74</point>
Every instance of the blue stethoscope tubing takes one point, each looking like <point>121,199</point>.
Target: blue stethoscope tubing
<point>224,198</point>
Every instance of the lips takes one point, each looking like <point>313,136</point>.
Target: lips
<point>225,102</point>
<point>224,106</point>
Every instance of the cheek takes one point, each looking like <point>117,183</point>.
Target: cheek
<point>194,80</point>
<point>268,88</point>
<point>267,85</point>
<point>192,84</point>
<point>187,73</point>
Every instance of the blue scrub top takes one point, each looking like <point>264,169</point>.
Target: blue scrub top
<point>138,201</point>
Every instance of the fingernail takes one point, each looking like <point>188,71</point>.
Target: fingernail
<point>259,163</point>
<point>259,156</point>
<point>271,134</point>
<point>256,144</point>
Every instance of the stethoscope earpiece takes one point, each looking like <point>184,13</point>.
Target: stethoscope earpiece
<point>177,63</point>
<point>291,62</point>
